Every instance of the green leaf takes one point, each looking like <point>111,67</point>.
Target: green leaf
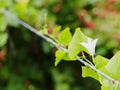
<point>3,39</point>
<point>56,30</point>
<point>3,23</point>
<point>75,47</point>
<point>65,37</point>
<point>100,61</point>
<point>113,66</point>
<point>87,72</point>
<point>106,85</point>
<point>11,20</point>
<point>4,3</point>
<point>43,31</point>
<point>61,55</point>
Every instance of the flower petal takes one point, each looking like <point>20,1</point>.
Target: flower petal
<point>90,45</point>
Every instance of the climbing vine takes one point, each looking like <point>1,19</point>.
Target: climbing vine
<point>82,48</point>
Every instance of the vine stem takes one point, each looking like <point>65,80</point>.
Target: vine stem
<point>21,22</point>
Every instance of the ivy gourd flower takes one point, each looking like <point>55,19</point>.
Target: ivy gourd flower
<point>90,45</point>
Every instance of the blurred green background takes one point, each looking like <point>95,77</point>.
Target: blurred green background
<point>27,61</point>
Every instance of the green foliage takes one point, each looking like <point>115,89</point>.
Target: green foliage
<point>100,61</point>
<point>28,50</point>
<point>3,33</point>
<point>64,80</point>
<point>65,37</point>
<point>113,66</point>
<point>109,67</point>
<point>74,47</point>
<point>3,23</point>
<point>61,55</point>
<point>106,85</point>
<point>87,72</point>
<point>3,38</point>
<point>56,30</point>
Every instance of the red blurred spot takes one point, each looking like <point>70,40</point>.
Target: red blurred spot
<point>57,8</point>
<point>1,65</point>
<point>27,83</point>
<point>117,38</point>
<point>50,30</point>
<point>89,25</point>
<point>101,15</point>
<point>111,9</point>
<point>111,1</point>
<point>80,17</point>
<point>2,55</point>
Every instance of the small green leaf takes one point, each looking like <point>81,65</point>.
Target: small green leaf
<point>65,37</point>
<point>75,47</point>
<point>3,23</point>
<point>61,55</point>
<point>113,66</point>
<point>3,39</point>
<point>87,72</point>
<point>11,20</point>
<point>56,30</point>
<point>100,61</point>
<point>107,85</point>
<point>43,31</point>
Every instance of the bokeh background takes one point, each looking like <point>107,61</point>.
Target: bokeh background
<point>27,61</point>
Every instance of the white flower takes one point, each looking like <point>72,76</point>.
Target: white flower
<point>90,45</point>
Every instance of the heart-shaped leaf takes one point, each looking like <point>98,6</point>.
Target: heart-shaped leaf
<point>113,66</point>
<point>75,47</point>
<point>65,37</point>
